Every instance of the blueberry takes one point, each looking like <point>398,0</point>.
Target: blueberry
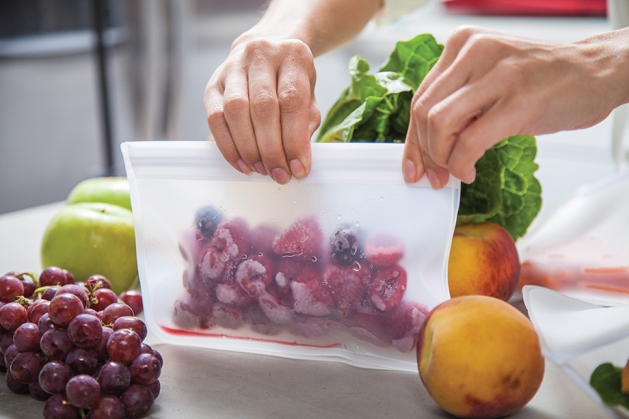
<point>206,220</point>
<point>344,244</point>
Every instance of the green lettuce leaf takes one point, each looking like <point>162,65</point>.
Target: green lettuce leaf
<point>376,107</point>
<point>606,380</point>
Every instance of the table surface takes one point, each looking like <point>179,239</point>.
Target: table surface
<point>198,382</point>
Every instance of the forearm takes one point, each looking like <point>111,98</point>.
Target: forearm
<point>321,24</point>
<point>608,55</point>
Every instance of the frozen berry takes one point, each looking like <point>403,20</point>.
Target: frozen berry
<point>347,284</point>
<point>259,322</point>
<point>273,308</point>
<point>232,294</point>
<point>215,266</point>
<point>403,323</point>
<point>232,238</point>
<point>188,319</point>
<point>302,239</point>
<point>206,220</point>
<point>345,248</point>
<point>287,270</point>
<point>384,250</point>
<point>311,296</point>
<point>312,327</point>
<point>387,287</point>
<point>254,274</point>
<point>226,316</point>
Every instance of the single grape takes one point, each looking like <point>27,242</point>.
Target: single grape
<point>10,288</point>
<point>85,331</point>
<point>49,293</point>
<point>26,367</point>
<point>132,323</point>
<point>82,391</point>
<point>114,311</point>
<point>26,337</point>
<point>56,344</point>
<point>107,407</point>
<point>133,299</point>
<point>137,400</point>
<point>92,312</point>
<point>28,283</point>
<point>155,388</point>
<point>54,376</point>
<point>114,378</point>
<point>74,290</point>
<point>45,324</point>
<point>37,309</point>
<point>58,407</point>
<point>63,308</point>
<point>37,392</point>
<point>103,298</point>
<point>14,385</point>
<point>82,361</point>
<point>158,356</point>
<point>9,355</point>
<point>145,369</point>
<point>124,346</point>
<point>53,275</point>
<point>95,282</point>
<point>12,316</point>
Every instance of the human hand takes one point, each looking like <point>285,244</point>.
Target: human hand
<point>261,107</point>
<point>488,85</point>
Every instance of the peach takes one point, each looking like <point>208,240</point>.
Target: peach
<point>479,357</point>
<point>483,261</point>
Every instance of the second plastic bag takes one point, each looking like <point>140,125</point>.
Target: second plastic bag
<point>343,265</point>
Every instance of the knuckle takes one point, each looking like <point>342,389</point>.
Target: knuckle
<point>215,118</point>
<point>264,105</point>
<point>256,46</point>
<point>236,105</point>
<point>291,99</point>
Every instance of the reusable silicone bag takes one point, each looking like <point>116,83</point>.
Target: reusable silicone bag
<point>343,265</point>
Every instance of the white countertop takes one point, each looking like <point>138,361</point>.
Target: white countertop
<point>210,383</point>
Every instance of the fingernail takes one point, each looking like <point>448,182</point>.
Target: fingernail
<point>433,179</point>
<point>297,169</point>
<point>260,168</point>
<point>243,166</point>
<point>279,175</point>
<point>470,176</point>
<point>410,172</point>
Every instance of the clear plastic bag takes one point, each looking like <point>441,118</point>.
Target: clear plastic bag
<point>342,265</point>
<point>582,250</point>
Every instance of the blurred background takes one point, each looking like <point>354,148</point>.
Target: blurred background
<point>78,77</point>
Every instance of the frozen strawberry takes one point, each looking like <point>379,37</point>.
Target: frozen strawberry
<point>311,296</point>
<point>259,322</point>
<point>403,323</point>
<point>226,316</point>
<point>254,274</point>
<point>262,239</point>
<point>387,287</point>
<point>232,238</point>
<point>312,327</point>
<point>287,269</point>
<point>383,250</point>
<point>186,318</point>
<point>345,249</point>
<point>275,310</point>
<point>303,239</point>
<point>232,294</point>
<point>215,266</point>
<point>201,300</point>
<point>347,284</point>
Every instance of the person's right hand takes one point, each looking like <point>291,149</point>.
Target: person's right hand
<point>261,107</point>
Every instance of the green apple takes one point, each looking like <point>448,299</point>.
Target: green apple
<point>111,190</point>
<point>93,238</point>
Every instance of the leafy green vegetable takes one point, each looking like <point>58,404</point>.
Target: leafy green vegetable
<point>376,107</point>
<point>606,380</point>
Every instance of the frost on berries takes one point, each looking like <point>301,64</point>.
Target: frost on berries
<point>267,281</point>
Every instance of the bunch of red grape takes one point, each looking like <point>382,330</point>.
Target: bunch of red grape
<point>78,346</point>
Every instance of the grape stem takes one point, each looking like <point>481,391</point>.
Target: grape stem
<point>32,275</point>
<point>25,302</point>
<point>41,290</point>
